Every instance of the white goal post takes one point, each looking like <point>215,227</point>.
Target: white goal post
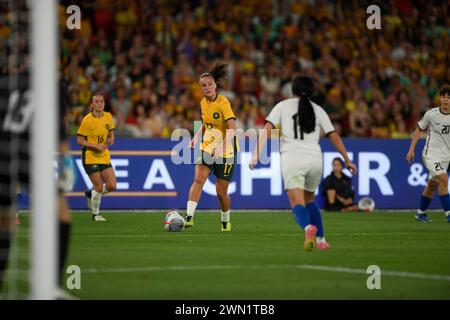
<point>44,57</point>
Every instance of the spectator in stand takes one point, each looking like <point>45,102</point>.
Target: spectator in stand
<point>163,46</point>
<point>359,120</point>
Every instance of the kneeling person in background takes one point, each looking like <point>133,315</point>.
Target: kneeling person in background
<point>338,190</point>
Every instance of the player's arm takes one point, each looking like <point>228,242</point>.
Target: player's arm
<point>339,145</point>
<point>194,140</point>
<point>82,141</point>
<point>415,137</point>
<point>110,138</point>
<point>272,120</point>
<point>231,132</point>
<point>422,125</point>
<point>262,139</point>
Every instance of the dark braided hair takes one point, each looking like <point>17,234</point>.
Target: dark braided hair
<point>219,73</point>
<point>303,88</point>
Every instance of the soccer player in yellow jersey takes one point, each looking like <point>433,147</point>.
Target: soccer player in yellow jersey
<point>218,147</point>
<point>95,134</point>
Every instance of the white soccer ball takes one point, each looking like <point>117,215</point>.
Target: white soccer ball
<point>366,204</point>
<point>174,222</point>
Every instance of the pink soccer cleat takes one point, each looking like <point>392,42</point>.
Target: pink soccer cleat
<point>310,238</point>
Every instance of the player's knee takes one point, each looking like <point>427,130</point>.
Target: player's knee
<point>222,193</point>
<point>98,188</point>
<point>443,180</point>
<point>433,185</point>
<point>309,197</point>
<point>200,179</point>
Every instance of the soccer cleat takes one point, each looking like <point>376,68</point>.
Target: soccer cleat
<point>88,194</point>
<point>226,226</point>
<point>310,238</point>
<point>422,217</point>
<point>189,222</point>
<point>98,217</point>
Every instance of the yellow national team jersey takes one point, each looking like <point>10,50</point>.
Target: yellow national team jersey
<point>96,130</point>
<point>215,115</point>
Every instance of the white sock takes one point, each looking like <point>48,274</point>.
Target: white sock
<point>321,240</point>
<point>447,213</point>
<point>420,211</point>
<point>96,200</point>
<point>190,208</point>
<point>225,216</point>
<point>104,190</point>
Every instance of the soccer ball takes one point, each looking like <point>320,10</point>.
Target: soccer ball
<point>366,204</point>
<point>174,222</point>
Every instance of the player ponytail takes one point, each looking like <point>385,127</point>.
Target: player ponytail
<point>303,88</point>
<point>219,73</point>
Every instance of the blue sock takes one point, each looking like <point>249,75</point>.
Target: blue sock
<point>301,216</point>
<point>424,203</point>
<point>316,217</point>
<point>445,201</point>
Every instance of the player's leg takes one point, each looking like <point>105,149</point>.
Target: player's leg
<point>109,177</point>
<point>224,170</point>
<point>201,174</point>
<point>435,170</point>
<point>64,232</point>
<point>316,219</point>
<point>7,223</point>
<point>444,197</point>
<point>294,176</point>
<point>312,182</point>
<point>65,221</point>
<point>297,200</point>
<point>18,201</point>
<point>294,182</point>
<point>224,203</point>
<point>96,195</point>
<point>425,199</point>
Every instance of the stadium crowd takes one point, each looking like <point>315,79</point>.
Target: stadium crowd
<point>146,57</point>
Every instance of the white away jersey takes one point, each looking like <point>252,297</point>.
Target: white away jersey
<point>437,145</point>
<point>285,113</point>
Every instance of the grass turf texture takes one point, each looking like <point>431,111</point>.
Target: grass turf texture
<point>131,256</point>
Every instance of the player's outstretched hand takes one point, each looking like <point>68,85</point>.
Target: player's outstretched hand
<point>352,167</point>
<point>410,156</point>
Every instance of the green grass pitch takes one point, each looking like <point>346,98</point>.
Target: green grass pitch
<point>131,256</point>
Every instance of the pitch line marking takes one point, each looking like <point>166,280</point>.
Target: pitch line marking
<point>398,274</point>
<point>264,234</point>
